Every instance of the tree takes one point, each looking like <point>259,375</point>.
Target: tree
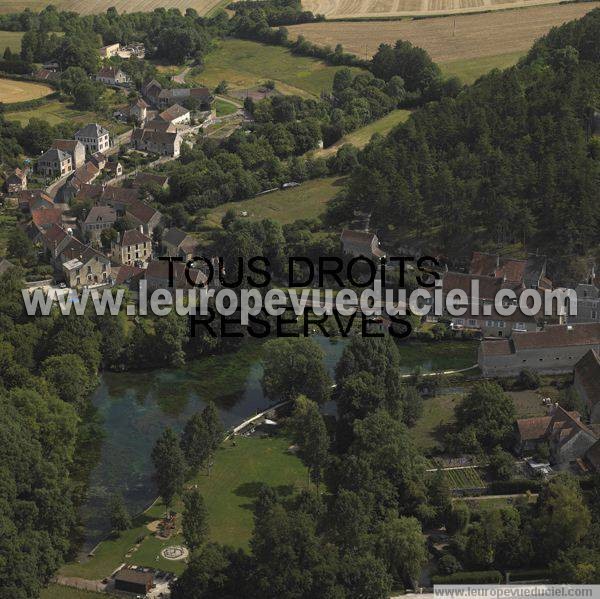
<point>294,367</point>
<point>119,515</point>
<point>528,379</point>
<point>440,496</point>
<point>69,376</point>
<point>196,443</point>
<point>400,544</point>
<point>489,413</point>
<point>169,466</point>
<point>214,426</point>
<point>501,464</point>
<point>458,518</point>
<point>194,521</point>
<point>19,247</point>
<point>310,433</point>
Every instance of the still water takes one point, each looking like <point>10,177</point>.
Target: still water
<point>136,407</point>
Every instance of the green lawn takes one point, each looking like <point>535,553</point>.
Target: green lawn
<point>361,137</point>
<point>452,354</point>
<point>470,70</point>
<point>229,492</point>
<point>55,591</point>
<point>529,403</point>
<point>10,39</point>
<point>245,64</point>
<point>56,112</point>
<point>437,412</point>
<point>308,200</point>
<point>223,107</point>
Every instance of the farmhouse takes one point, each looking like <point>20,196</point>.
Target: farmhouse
<point>567,437</point>
<point>54,163</point>
<point>176,114</point>
<point>166,143</point>
<point>82,265</point>
<point>16,181</point>
<point>75,149</point>
<point>139,110</point>
<point>85,174</point>
<point>554,350</point>
<point>32,199</point>
<point>361,243</point>
<point>163,98</point>
<point>94,137</point>
<point>587,383</point>
<point>132,248</point>
<point>112,76</point>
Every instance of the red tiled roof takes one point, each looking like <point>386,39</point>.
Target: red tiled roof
<point>141,211</point>
<point>43,217</point>
<point>488,286</point>
<point>493,347</point>
<point>55,234</point>
<point>491,265</point>
<point>531,429</point>
<point>127,273</point>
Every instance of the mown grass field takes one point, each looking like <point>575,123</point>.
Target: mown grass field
<point>55,112</point>
<point>285,206</point>
<point>362,136</point>
<point>449,39</point>
<point>11,39</point>
<point>438,412</point>
<point>229,493</point>
<point>20,91</point>
<point>246,64</point>
<point>471,69</point>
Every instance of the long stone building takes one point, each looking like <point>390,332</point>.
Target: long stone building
<point>554,350</point>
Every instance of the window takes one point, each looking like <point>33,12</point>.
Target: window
<point>460,321</point>
<point>472,322</point>
<point>594,315</point>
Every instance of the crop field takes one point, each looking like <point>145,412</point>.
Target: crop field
<point>346,9</point>
<point>20,91</point>
<point>245,64</point>
<point>448,39</point>
<point>99,6</point>
<point>465,478</point>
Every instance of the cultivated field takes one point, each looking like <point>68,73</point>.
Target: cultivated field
<point>19,91</point>
<point>389,8</point>
<point>99,6</point>
<point>448,39</point>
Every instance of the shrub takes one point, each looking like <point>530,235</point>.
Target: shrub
<point>481,577</point>
<point>539,574</point>
<point>528,379</point>
<point>448,565</point>
<point>506,487</point>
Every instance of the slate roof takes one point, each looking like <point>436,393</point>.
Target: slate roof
<point>134,576</point>
<point>174,236</point>
<point>173,112</point>
<point>92,130</point>
<point>133,236</point>
<point>587,372</point>
<point>126,274</point>
<point>141,211</point>
<point>54,155</point>
<point>105,214</point>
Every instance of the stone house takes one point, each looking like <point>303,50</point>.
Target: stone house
<point>139,111</point>
<point>361,243</point>
<point>16,181</point>
<point>586,381</point>
<point>32,199</point>
<point>588,302</point>
<point>157,142</point>
<point>114,169</point>
<point>157,276</point>
<point>110,50</point>
<point>82,265</point>
<point>554,350</point>
<point>567,436</point>
<point>494,324</point>
<point>132,248</point>
<point>530,272</point>
<point>176,242</point>
<point>94,137</point>
<point>98,219</point>
<point>54,163</point>
<point>112,76</point>
<point>75,149</point>
<point>176,114</point>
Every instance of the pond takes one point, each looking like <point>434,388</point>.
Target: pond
<point>135,407</point>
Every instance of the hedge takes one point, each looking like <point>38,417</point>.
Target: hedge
<point>539,574</point>
<point>482,577</point>
<point>507,487</point>
<point>28,104</point>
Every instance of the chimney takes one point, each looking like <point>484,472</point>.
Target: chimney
<point>141,228</point>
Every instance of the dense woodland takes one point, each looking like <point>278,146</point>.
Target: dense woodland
<point>510,160</point>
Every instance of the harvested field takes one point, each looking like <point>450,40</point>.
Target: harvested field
<point>473,36</point>
<point>20,91</point>
<point>100,6</point>
<point>345,9</point>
